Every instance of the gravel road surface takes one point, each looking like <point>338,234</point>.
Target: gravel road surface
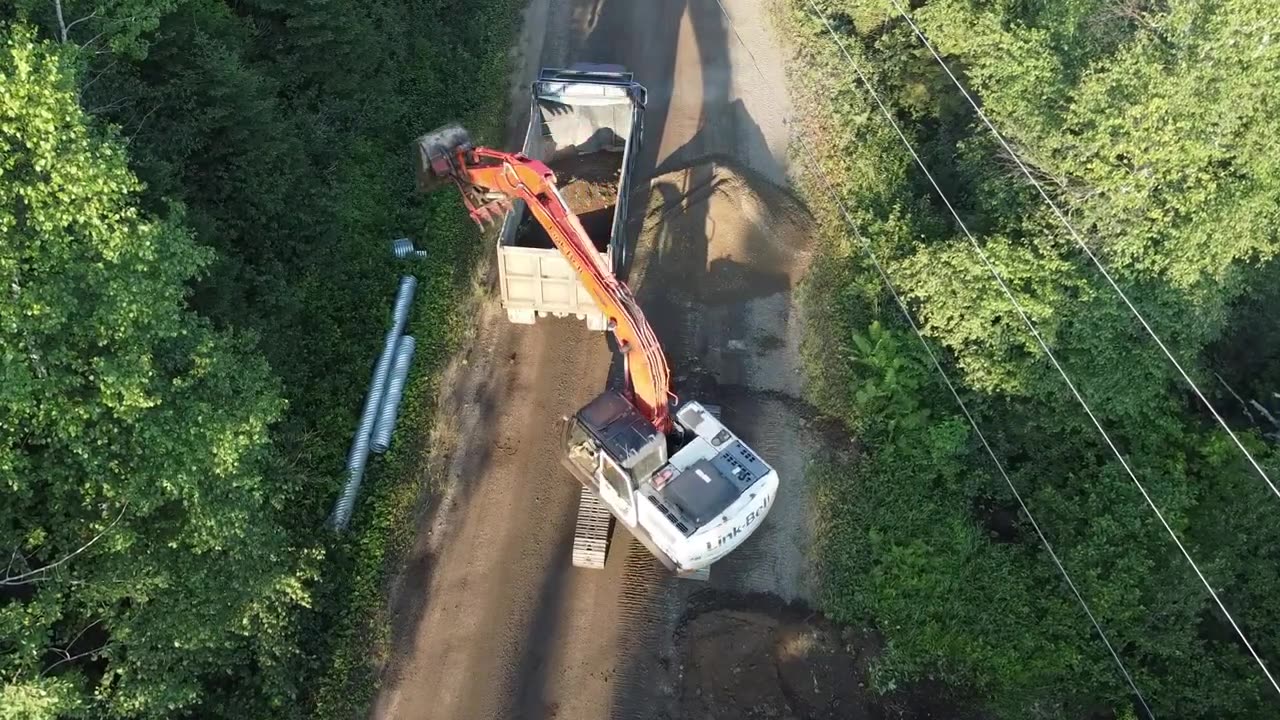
<point>491,620</point>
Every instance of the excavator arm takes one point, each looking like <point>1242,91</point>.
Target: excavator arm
<point>489,180</point>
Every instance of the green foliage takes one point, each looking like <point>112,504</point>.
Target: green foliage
<point>891,379</point>
<point>268,169</point>
<point>134,438</point>
<point>1142,124</point>
<point>119,27</point>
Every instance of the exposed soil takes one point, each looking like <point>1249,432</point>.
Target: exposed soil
<point>721,253</point>
<point>738,234</point>
<point>750,664</point>
<point>751,657</point>
<point>589,184</point>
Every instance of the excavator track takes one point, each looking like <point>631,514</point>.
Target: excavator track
<point>591,533</point>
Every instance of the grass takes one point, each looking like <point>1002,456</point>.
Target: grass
<point>354,614</point>
<point>396,486</point>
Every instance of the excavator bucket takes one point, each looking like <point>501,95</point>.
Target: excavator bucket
<point>435,153</point>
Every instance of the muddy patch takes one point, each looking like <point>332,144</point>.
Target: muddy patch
<point>751,664</point>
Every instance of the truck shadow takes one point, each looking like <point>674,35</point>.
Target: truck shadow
<point>701,262</point>
<point>722,244</point>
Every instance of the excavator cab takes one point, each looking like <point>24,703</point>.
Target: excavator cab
<point>610,446</point>
<point>690,497</point>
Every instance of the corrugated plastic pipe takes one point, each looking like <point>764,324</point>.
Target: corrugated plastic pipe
<point>403,248</point>
<point>386,423</point>
<point>358,456</point>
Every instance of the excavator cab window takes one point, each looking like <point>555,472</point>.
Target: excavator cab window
<point>617,478</point>
<point>645,462</point>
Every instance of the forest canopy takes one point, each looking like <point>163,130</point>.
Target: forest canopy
<point>196,200</point>
<point>1152,125</point>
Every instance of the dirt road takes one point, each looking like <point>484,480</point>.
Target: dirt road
<point>491,621</point>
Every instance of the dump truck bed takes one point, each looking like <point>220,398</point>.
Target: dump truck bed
<point>586,124</point>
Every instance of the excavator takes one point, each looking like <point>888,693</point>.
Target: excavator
<point>683,484</point>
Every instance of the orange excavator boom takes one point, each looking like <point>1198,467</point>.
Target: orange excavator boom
<point>489,181</point>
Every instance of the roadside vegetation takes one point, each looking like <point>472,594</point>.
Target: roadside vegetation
<point>1154,126</point>
<point>196,203</point>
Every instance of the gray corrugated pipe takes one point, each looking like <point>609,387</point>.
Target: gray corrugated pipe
<point>403,248</point>
<point>386,423</point>
<point>358,457</point>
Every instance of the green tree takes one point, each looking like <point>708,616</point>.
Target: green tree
<point>94,26</point>
<point>1148,123</point>
<point>280,130</point>
<point>144,556</point>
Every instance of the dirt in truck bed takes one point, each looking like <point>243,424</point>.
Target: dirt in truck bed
<point>589,184</point>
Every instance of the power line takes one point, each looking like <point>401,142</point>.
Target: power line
<point>1045,346</point>
<point>1085,247</point>
<point>937,364</point>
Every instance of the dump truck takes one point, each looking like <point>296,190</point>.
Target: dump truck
<point>586,123</point>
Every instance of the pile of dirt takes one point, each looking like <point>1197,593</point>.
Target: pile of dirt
<point>752,664</point>
<point>729,230</point>
<point>751,657</point>
<point>589,184</point>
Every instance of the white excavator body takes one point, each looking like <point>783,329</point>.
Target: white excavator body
<point>690,500</point>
